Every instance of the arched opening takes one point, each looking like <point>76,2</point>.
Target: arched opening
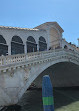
<point>61,76</point>
<point>17,46</point>
<point>65,47</point>
<point>42,44</point>
<point>3,46</point>
<point>31,44</point>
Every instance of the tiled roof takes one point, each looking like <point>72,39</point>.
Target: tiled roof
<point>9,27</point>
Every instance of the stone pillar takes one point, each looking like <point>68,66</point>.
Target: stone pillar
<point>38,47</point>
<point>25,48</point>
<point>9,49</point>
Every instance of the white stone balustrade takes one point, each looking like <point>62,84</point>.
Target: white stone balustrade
<point>13,59</point>
<point>17,72</point>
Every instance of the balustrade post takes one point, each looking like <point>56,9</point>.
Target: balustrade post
<point>26,57</point>
<point>1,61</point>
<point>4,61</point>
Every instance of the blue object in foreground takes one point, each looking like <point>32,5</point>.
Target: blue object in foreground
<point>47,94</point>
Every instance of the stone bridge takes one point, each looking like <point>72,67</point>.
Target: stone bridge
<point>17,72</point>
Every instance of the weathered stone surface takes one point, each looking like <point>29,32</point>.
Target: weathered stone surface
<point>18,76</point>
<point>17,72</point>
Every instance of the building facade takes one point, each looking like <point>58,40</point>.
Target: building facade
<point>47,36</point>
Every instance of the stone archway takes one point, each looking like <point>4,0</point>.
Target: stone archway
<point>42,44</point>
<point>38,69</point>
<point>17,46</point>
<point>3,46</point>
<point>21,74</point>
<point>63,74</point>
<point>31,44</point>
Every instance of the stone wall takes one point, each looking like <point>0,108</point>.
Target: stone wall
<point>8,33</point>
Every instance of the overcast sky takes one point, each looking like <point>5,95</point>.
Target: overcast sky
<point>30,13</point>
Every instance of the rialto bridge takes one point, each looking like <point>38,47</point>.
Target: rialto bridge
<point>17,72</point>
<point>28,54</point>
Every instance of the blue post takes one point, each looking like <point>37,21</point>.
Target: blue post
<point>47,94</point>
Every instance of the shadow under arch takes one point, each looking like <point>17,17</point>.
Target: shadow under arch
<point>39,69</point>
<point>62,97</point>
<point>65,80</point>
<point>62,74</point>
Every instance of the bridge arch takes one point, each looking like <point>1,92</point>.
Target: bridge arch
<point>31,44</point>
<point>17,46</point>
<point>3,46</point>
<point>30,67</point>
<point>39,69</point>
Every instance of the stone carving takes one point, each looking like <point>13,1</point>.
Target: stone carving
<point>12,73</point>
<point>27,72</point>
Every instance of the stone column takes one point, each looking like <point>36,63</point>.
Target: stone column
<point>9,49</point>
<point>25,48</point>
<point>38,47</point>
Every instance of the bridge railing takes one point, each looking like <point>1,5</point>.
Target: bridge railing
<point>52,52</point>
<point>11,59</point>
<point>4,60</point>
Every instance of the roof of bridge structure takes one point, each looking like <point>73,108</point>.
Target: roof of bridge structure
<point>19,28</point>
<point>48,24</point>
<point>38,28</point>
